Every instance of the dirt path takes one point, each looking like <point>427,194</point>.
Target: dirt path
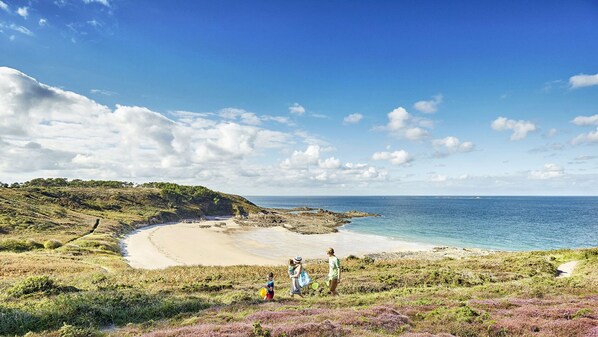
<point>566,269</point>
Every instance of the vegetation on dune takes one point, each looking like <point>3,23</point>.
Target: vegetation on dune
<point>56,211</point>
<point>80,285</point>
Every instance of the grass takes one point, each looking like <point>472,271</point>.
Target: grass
<point>84,288</point>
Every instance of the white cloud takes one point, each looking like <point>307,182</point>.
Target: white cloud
<point>21,29</point>
<point>585,120</point>
<point>551,132</point>
<point>278,119</point>
<point>42,22</point>
<point>583,80</point>
<point>397,119</point>
<point>400,157</point>
<point>23,11</point>
<point>46,128</point>
<point>438,178</point>
<point>102,2</point>
<point>550,171</point>
<point>102,92</point>
<point>415,133</point>
<point>589,138</point>
<point>244,116</point>
<point>353,118</point>
<point>329,163</point>
<point>303,158</point>
<point>430,106</point>
<point>4,6</point>
<point>520,128</point>
<point>307,166</point>
<point>297,109</point>
<point>403,124</point>
<point>450,145</point>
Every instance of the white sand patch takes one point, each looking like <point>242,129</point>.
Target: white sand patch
<point>161,246</point>
<point>566,269</point>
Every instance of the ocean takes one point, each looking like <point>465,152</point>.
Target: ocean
<point>499,223</point>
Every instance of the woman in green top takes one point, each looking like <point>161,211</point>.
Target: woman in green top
<point>334,271</point>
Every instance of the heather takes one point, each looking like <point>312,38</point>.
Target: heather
<point>83,287</point>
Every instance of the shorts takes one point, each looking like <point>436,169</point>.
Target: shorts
<point>269,296</point>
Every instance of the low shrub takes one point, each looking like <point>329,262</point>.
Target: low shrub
<point>52,244</point>
<point>73,331</point>
<point>31,285</point>
<point>207,287</point>
<point>14,245</point>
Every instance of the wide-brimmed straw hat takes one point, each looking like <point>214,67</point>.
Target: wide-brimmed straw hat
<point>297,259</point>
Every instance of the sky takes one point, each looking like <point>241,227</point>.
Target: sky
<point>304,98</point>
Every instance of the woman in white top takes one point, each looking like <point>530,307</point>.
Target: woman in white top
<point>294,274</point>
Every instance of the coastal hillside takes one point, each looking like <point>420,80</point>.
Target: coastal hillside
<point>62,274</point>
<point>57,210</point>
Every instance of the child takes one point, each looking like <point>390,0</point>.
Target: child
<point>270,288</point>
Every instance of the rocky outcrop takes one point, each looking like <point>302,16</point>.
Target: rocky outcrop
<point>302,220</point>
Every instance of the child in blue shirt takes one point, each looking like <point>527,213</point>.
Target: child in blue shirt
<point>270,288</point>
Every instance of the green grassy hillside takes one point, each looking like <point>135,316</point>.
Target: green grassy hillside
<point>84,288</point>
<point>62,211</point>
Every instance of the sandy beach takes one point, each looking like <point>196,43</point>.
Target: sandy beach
<point>222,242</point>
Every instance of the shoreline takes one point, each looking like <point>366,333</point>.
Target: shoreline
<point>224,242</point>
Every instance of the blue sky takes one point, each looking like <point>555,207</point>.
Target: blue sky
<point>335,97</point>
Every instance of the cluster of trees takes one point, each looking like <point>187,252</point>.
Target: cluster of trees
<point>181,193</point>
<point>171,190</point>
<point>63,182</point>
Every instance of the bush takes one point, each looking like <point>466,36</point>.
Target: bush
<point>32,284</point>
<point>14,245</point>
<point>72,331</point>
<point>52,244</point>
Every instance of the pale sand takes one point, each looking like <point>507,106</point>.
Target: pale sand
<point>566,269</point>
<point>161,246</point>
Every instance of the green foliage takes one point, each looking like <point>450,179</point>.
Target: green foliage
<point>259,331</point>
<point>15,245</point>
<point>206,287</point>
<point>72,331</point>
<point>585,312</point>
<point>52,244</point>
<point>32,284</point>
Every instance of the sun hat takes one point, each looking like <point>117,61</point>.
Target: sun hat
<point>297,258</point>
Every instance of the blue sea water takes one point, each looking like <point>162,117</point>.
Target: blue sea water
<point>502,223</point>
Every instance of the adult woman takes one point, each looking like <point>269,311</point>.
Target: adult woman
<point>334,271</point>
<point>294,273</point>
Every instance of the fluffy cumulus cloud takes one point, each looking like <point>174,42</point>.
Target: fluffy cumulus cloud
<point>309,166</point>
<point>23,11</point>
<point>400,157</point>
<point>583,80</point>
<point>430,106</point>
<point>585,120</point>
<point>401,123</point>
<point>586,138</point>
<point>47,131</point>
<point>75,136</point>
<point>450,145</point>
<point>3,6</point>
<point>520,128</point>
<point>353,118</point>
<point>297,109</point>
<point>549,171</point>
